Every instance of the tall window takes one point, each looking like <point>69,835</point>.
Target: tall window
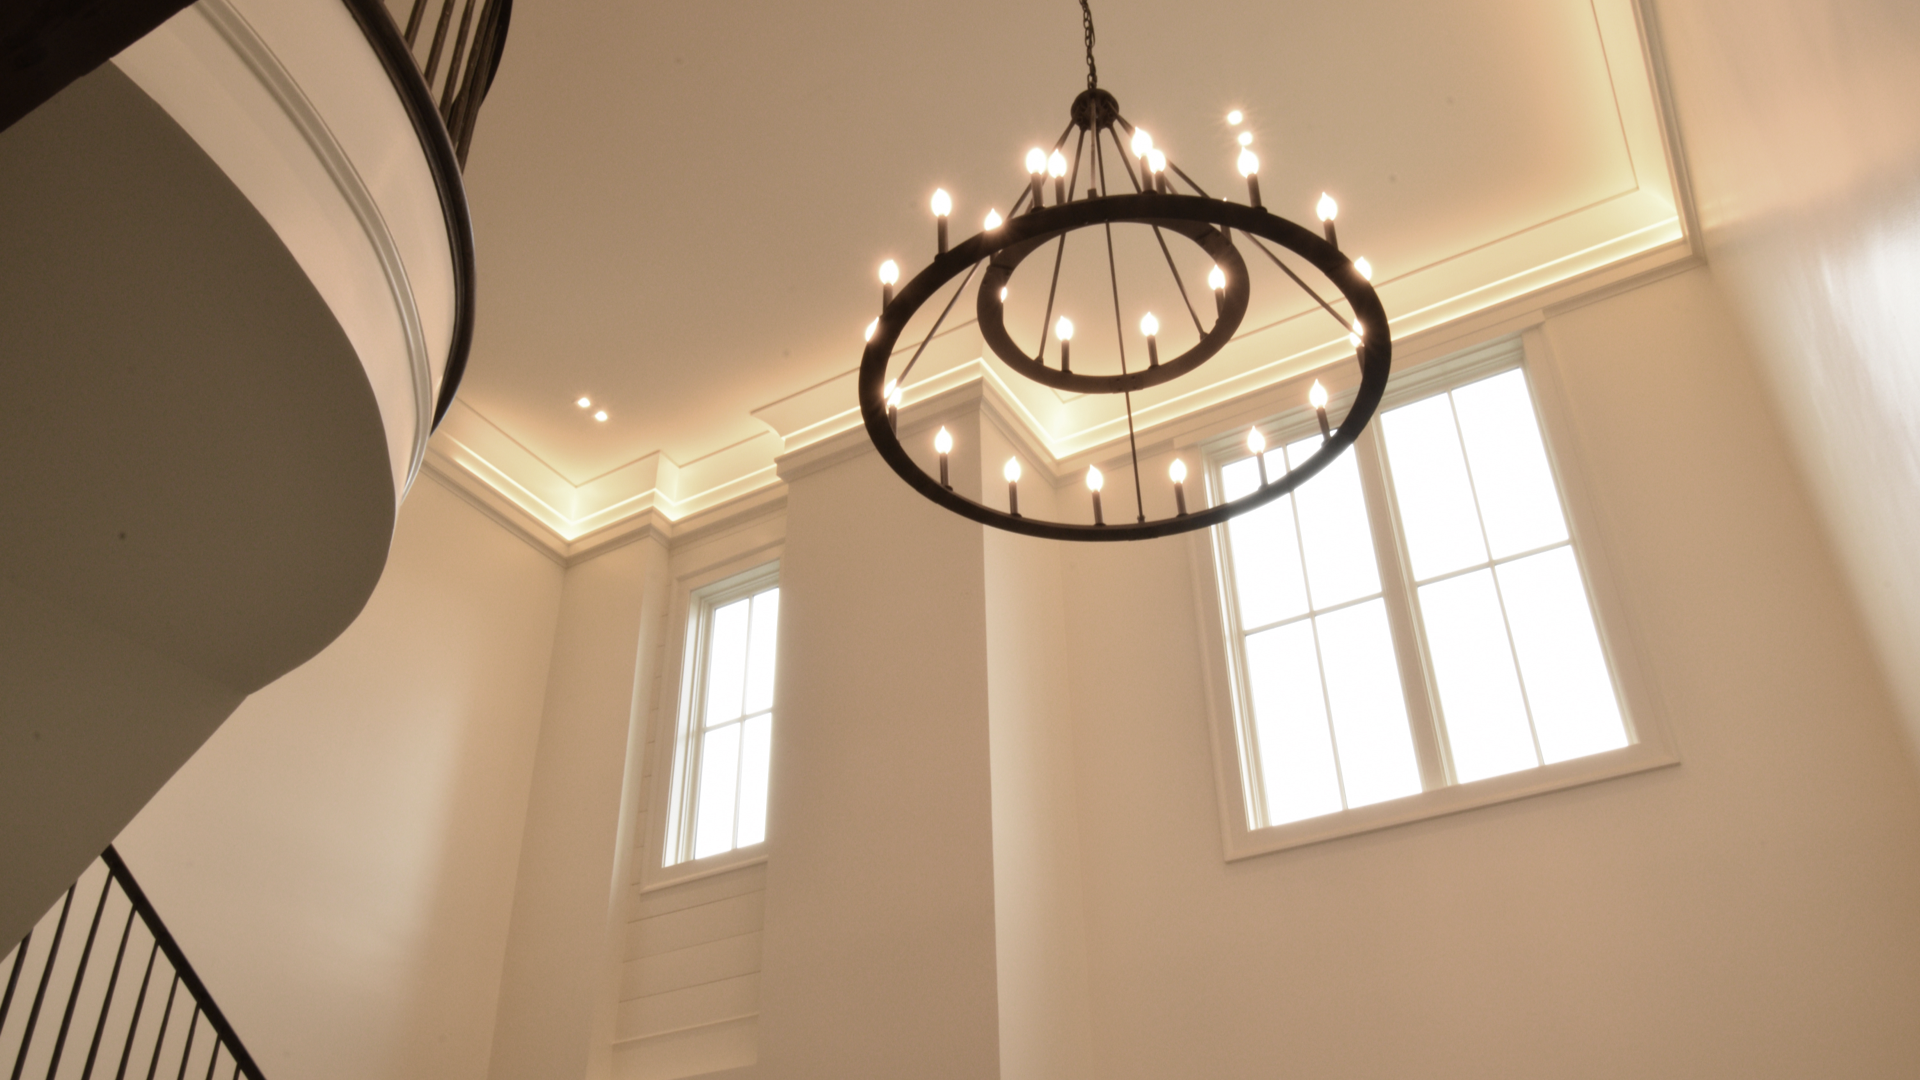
<point>726,727</point>
<point>1415,617</point>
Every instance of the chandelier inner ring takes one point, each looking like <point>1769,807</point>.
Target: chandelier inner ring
<point>1036,229</point>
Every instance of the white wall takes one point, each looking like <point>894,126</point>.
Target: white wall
<point>339,860</point>
<point>1747,913</point>
<point>1801,120</point>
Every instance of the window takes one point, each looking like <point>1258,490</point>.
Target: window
<point>1413,620</point>
<point>719,799</point>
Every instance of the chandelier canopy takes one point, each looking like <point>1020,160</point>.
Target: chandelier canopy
<point>1133,183</point>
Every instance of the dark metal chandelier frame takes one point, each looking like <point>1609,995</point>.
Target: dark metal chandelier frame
<point>1153,201</point>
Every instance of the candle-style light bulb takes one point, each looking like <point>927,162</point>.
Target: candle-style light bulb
<point>1234,117</point>
<point>1157,172</point>
<point>1057,168</point>
<point>1036,171</point>
<point>1250,168</point>
<point>1150,326</point>
<point>1094,483</point>
<point>943,445</point>
<point>1366,268</point>
<point>1064,331</point>
<point>1245,138</point>
<point>1178,472</point>
<point>993,220</point>
<point>1257,443</point>
<point>942,206</point>
<point>1012,473</point>
<point>1327,210</point>
<point>1217,281</point>
<point>889,273</point>
<point>1317,397</point>
<point>1141,143</point>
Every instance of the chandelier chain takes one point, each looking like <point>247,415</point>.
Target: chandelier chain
<point>1093,73</point>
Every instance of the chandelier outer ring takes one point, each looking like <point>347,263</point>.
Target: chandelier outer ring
<point>1375,354</point>
<point>1033,230</point>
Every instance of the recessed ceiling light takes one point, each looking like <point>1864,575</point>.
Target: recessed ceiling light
<point>585,403</point>
<point>601,416</point>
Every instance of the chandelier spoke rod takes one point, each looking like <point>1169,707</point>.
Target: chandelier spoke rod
<point>944,312</point>
<point>1027,191</point>
<point>1059,253</point>
<point>1120,332</point>
<point>1337,317</point>
<point>1125,165</point>
<point>1157,234</point>
<point>1182,173</point>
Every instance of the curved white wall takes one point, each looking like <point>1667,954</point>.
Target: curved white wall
<point>292,103</point>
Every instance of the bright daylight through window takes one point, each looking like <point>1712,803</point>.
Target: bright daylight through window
<point>1473,572</point>
<point>726,726</point>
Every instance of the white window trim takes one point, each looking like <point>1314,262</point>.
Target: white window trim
<point>695,593</point>
<point>1651,747</point>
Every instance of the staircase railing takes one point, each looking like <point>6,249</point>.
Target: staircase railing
<point>460,88</point>
<point>79,1009</point>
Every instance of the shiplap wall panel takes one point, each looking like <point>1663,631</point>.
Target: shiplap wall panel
<point>691,966</point>
<point>695,1006</point>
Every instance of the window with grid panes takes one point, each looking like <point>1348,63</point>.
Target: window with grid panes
<point>726,727</point>
<point>1450,549</point>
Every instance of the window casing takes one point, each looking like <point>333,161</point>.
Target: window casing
<point>724,734</point>
<point>1415,630</point>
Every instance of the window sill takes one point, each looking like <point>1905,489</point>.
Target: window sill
<point>1243,843</point>
<point>666,877</point>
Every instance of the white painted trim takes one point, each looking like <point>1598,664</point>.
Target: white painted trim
<point>749,545</point>
<point>246,43</point>
<point>1642,709</point>
<point>631,1039</point>
<point>222,79</point>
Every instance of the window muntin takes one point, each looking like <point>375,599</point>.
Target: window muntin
<point>1479,579</point>
<point>1515,653</point>
<point>726,737</point>
<point>1330,720</point>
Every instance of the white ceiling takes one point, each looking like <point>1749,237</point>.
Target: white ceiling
<point>679,206</point>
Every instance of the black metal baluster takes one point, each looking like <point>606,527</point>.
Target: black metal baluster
<point>474,87</point>
<point>439,39</point>
<point>13,980</point>
<point>453,63</point>
<point>413,21</point>
<point>79,976</point>
<point>139,1003</point>
<point>46,975</point>
<point>187,1051</point>
<point>106,1003</point>
<point>161,1039</point>
<point>214,1058</point>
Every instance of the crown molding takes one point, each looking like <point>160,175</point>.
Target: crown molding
<point>1621,242</point>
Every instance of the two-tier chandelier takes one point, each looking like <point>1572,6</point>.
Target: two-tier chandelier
<point>1133,183</point>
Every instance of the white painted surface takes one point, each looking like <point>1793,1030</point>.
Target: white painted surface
<point>339,860</point>
<point>566,911</point>
<point>1802,125</point>
<point>696,252</point>
<point>292,104</point>
<point>1748,913</point>
<point>879,935</point>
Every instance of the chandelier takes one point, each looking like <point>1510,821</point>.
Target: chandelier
<point>1085,186</point>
